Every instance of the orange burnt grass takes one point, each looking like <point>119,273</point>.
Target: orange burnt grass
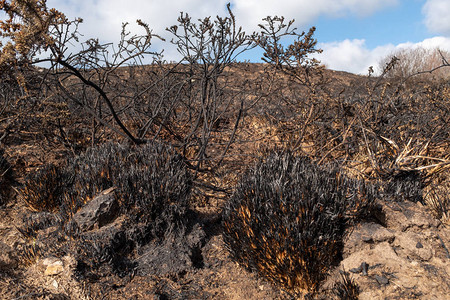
<point>44,188</point>
<point>288,217</point>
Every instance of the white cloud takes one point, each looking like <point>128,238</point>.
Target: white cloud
<point>103,18</point>
<point>435,42</point>
<point>354,56</point>
<point>437,16</point>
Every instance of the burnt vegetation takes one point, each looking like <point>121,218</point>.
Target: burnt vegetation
<point>167,140</point>
<point>287,219</point>
<point>150,183</point>
<point>347,288</point>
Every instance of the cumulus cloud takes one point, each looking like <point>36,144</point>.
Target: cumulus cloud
<point>103,18</point>
<point>437,16</point>
<point>354,56</point>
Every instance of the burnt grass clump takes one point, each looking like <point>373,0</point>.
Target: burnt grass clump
<point>151,185</point>
<point>346,288</point>
<point>44,188</point>
<point>288,216</point>
<point>152,181</point>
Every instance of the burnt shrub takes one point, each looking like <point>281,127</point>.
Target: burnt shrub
<point>151,184</point>
<point>98,169</point>
<point>287,219</point>
<point>152,181</point>
<point>44,188</point>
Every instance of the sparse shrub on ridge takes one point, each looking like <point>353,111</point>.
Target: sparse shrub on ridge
<point>287,219</point>
<point>410,62</point>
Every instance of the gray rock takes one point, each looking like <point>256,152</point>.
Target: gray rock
<point>382,279</point>
<point>100,211</point>
<point>364,268</point>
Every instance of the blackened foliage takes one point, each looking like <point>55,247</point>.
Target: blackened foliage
<point>101,256</point>
<point>44,188</point>
<point>405,185</point>
<point>152,181</point>
<point>153,187</point>
<point>5,177</point>
<point>35,222</point>
<point>158,184</point>
<point>347,288</point>
<point>287,219</point>
<point>97,169</point>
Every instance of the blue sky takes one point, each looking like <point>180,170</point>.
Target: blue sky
<point>354,34</point>
<point>396,24</point>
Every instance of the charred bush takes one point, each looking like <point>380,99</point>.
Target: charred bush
<point>287,219</point>
<point>44,188</point>
<point>97,169</point>
<point>152,181</point>
<point>152,186</point>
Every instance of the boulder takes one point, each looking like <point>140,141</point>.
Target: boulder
<point>98,212</point>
